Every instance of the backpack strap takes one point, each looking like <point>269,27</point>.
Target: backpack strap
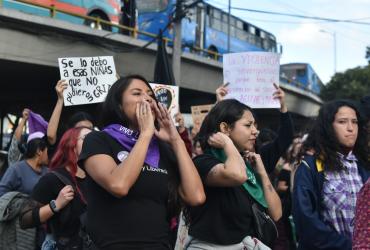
<point>64,180</point>
<point>319,165</point>
<point>317,171</point>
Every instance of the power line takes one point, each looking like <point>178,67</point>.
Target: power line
<point>303,16</point>
<point>322,19</point>
<point>343,24</point>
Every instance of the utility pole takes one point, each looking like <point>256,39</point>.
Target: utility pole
<point>177,48</point>
<point>228,28</point>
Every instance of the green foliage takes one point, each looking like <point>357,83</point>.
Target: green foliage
<point>352,84</point>
<point>367,56</point>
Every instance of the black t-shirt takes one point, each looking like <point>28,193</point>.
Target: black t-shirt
<point>136,221</point>
<point>226,216</point>
<point>66,223</point>
<point>284,175</point>
<point>285,197</point>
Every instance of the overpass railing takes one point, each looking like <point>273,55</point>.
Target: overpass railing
<point>98,21</point>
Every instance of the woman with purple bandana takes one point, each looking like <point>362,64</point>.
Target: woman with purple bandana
<point>329,178</point>
<point>139,171</point>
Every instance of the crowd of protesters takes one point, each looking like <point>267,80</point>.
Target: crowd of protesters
<point>135,180</point>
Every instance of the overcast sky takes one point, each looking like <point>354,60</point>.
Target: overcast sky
<point>302,40</point>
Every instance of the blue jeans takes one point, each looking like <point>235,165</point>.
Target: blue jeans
<point>248,243</point>
<point>49,243</point>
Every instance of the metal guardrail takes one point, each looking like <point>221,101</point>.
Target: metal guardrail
<point>98,21</point>
<point>297,84</point>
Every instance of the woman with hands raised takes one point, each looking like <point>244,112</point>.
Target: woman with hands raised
<point>234,178</point>
<point>139,172</point>
<point>271,151</point>
<point>78,119</point>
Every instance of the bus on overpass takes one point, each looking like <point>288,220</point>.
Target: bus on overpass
<point>204,31</point>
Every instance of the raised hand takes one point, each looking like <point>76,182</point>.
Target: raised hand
<point>255,160</point>
<point>221,92</point>
<point>25,113</point>
<point>167,130</point>
<point>60,87</point>
<point>280,95</point>
<point>219,140</point>
<point>145,118</point>
<point>65,195</point>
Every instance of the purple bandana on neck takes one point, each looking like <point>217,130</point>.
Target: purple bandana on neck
<point>127,138</point>
<point>37,123</point>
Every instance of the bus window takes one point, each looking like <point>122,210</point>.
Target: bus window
<point>216,14</point>
<point>258,41</point>
<point>262,34</point>
<point>224,27</point>
<point>193,14</point>
<point>224,18</point>
<point>242,35</point>
<point>232,31</point>
<point>151,5</point>
<point>301,72</point>
<point>252,30</point>
<point>239,24</point>
<point>216,24</point>
<point>232,21</point>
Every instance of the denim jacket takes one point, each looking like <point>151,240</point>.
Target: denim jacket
<point>312,231</point>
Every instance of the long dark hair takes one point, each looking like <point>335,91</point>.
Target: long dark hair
<point>111,112</point>
<point>323,141</point>
<point>78,117</point>
<point>228,111</point>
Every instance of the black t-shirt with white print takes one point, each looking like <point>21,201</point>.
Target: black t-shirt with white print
<point>136,221</point>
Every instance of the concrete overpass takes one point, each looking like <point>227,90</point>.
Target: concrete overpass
<point>30,46</point>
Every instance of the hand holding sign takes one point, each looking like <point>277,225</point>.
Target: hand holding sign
<point>60,87</point>
<point>251,76</point>
<point>279,94</point>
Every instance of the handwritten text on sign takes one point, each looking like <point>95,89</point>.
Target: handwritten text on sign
<point>251,76</point>
<point>89,78</point>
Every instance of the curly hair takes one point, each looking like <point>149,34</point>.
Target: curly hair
<point>323,142</point>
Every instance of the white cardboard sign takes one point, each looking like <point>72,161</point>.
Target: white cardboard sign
<point>251,76</point>
<point>88,78</point>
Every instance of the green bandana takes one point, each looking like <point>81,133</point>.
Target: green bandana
<point>252,185</point>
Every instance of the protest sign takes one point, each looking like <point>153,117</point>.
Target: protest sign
<point>251,76</point>
<point>198,113</point>
<point>168,95</point>
<point>88,78</point>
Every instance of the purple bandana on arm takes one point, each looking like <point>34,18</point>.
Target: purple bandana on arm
<point>37,123</point>
<point>127,138</point>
